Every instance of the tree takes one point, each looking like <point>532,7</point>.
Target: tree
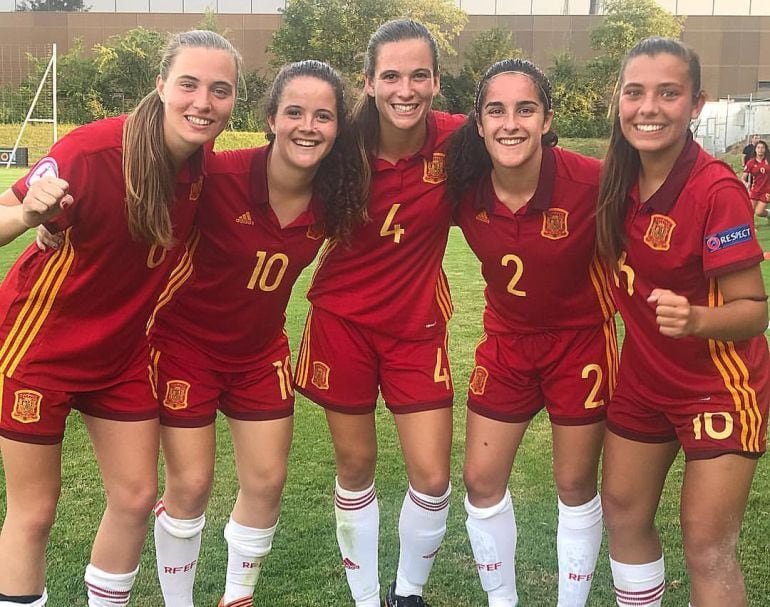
<point>488,47</point>
<point>626,23</point>
<point>629,21</point>
<point>52,5</point>
<point>127,65</point>
<point>337,31</point>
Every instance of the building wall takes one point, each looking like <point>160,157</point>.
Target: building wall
<point>735,51</point>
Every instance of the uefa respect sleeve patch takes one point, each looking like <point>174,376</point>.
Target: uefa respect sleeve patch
<point>728,238</point>
<point>46,167</point>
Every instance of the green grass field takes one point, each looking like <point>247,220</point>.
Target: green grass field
<point>304,568</point>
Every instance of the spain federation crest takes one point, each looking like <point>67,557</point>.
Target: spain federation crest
<point>26,406</point>
<point>320,378</point>
<point>555,224</point>
<point>658,234</point>
<point>435,170</point>
<point>196,189</point>
<point>176,394</point>
<point>478,383</point>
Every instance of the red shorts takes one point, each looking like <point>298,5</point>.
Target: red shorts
<point>569,372</point>
<point>35,415</point>
<point>704,428</point>
<point>341,366</point>
<point>190,396</point>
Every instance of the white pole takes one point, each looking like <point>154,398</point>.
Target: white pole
<point>55,99</point>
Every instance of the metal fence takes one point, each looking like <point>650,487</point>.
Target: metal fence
<point>729,122</point>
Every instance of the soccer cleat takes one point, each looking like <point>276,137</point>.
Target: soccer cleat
<point>395,600</point>
<point>241,602</point>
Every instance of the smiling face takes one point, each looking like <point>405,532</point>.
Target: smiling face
<point>305,122</point>
<point>656,104</point>
<point>403,84</point>
<point>198,97</point>
<point>512,121</point>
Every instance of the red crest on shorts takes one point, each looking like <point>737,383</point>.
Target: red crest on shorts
<point>26,406</point>
<point>658,235</point>
<point>196,189</point>
<point>482,216</point>
<point>176,394</point>
<point>320,377</point>
<point>435,170</point>
<point>555,224</point>
<point>478,381</point>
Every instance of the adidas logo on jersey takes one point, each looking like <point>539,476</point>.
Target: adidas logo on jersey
<point>245,219</point>
<point>482,216</point>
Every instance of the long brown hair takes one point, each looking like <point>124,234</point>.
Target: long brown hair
<point>342,179</point>
<point>365,113</point>
<point>621,164</point>
<point>148,169</point>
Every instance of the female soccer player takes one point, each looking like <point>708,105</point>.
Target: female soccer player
<point>124,193</point>
<point>378,320</point>
<point>756,176</point>
<point>218,333</point>
<point>527,211</point>
<point>675,226</point>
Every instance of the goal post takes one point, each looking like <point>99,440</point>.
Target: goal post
<point>28,91</point>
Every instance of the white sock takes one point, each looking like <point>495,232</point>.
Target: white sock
<point>492,532</point>
<point>358,531</point>
<point>639,585</point>
<point>578,540</point>
<point>108,589</point>
<point>36,603</point>
<point>177,545</point>
<point>421,529</point>
<point>247,547</point>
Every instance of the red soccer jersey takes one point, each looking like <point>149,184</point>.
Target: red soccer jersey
<point>73,319</point>
<point>226,302</point>
<point>390,279</point>
<point>695,228</point>
<point>760,178</point>
<point>540,263</point>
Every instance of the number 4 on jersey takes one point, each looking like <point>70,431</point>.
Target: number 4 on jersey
<point>389,228</point>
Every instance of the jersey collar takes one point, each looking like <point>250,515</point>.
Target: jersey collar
<point>542,198</point>
<point>260,193</point>
<point>664,199</point>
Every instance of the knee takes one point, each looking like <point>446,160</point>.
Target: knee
<point>481,488</point>
<point>134,499</point>
<point>265,484</point>
<point>35,518</point>
<point>187,496</point>
<point>576,489</point>
<point>619,511</point>
<point>709,552</point>
<point>434,483</point>
<point>356,472</point>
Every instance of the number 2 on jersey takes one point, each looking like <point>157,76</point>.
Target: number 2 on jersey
<point>389,228</point>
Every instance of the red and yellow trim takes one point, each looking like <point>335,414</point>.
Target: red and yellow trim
<point>37,307</point>
<point>179,275</point>
<point>735,375</point>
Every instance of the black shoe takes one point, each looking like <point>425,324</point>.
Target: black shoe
<point>395,600</point>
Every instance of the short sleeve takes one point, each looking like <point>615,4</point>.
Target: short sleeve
<point>67,161</point>
<point>730,240</point>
